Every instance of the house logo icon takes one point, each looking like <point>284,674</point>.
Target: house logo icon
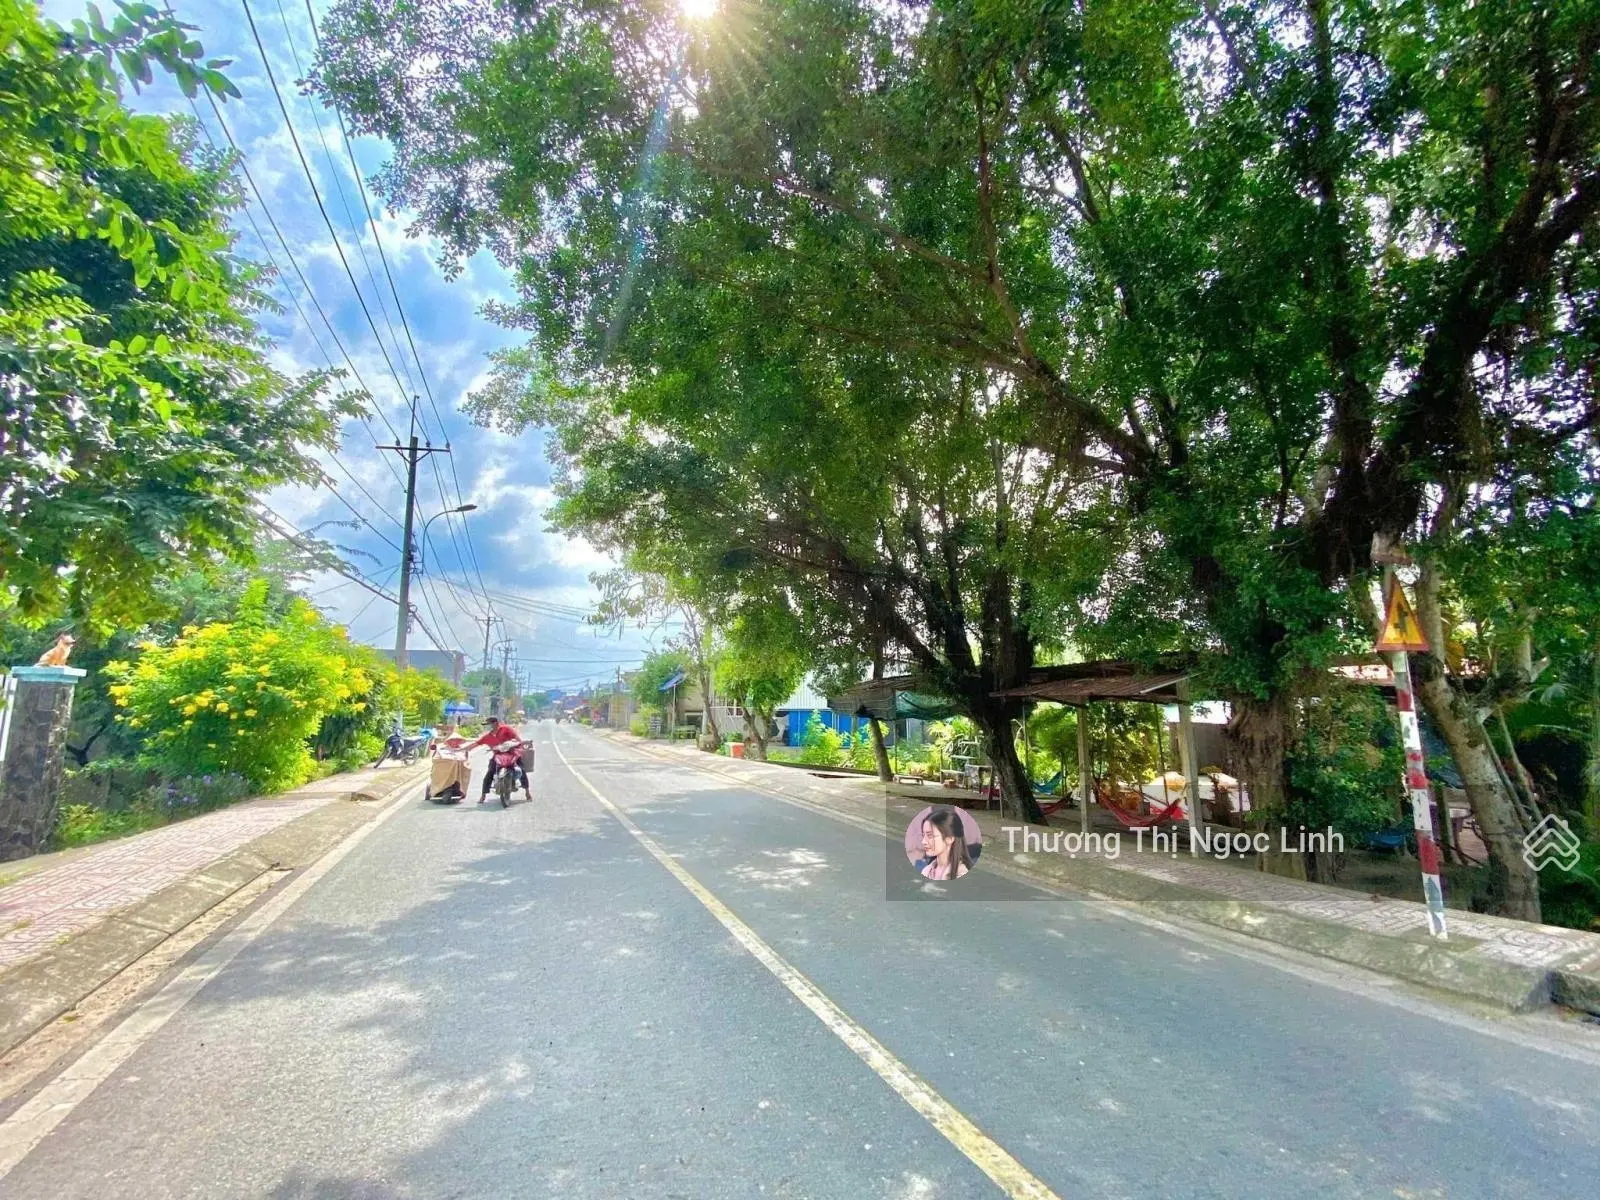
<point>1551,841</point>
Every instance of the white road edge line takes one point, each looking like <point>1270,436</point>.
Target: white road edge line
<point>984,1152</point>
<point>33,1121</point>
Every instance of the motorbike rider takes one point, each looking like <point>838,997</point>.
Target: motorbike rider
<point>497,733</point>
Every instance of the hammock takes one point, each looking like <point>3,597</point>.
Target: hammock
<point>1134,821</point>
<point>1049,787</point>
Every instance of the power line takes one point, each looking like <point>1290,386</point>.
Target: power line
<point>340,567</point>
<point>311,294</point>
<point>333,170</point>
<point>405,324</point>
<point>370,602</point>
<point>377,240</point>
<point>316,195</point>
<point>344,261</point>
<point>339,496</point>
<point>244,165</point>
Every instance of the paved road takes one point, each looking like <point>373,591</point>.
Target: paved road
<point>527,1003</point>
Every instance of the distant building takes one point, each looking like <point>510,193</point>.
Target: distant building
<point>452,664</point>
<point>796,712</point>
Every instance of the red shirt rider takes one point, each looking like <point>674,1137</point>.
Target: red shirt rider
<point>497,736</point>
<point>500,735</point>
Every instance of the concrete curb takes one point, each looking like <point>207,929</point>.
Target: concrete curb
<point>39,990</point>
<point>1451,967</point>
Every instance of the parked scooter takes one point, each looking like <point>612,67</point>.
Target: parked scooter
<point>404,749</point>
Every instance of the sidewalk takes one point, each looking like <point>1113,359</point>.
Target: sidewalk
<point>1510,964</point>
<point>71,920</point>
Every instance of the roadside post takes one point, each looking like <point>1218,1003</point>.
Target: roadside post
<point>1401,634</point>
<point>36,719</point>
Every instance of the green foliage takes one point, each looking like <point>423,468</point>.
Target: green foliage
<point>423,695</point>
<point>142,418</point>
<point>242,696</point>
<point>639,725</point>
<point>764,659</point>
<point>361,751</point>
<point>196,595</point>
<point>1345,769</point>
<point>820,745</point>
<point>858,753</point>
<point>1572,898</point>
<point>989,328</point>
<point>166,801</point>
<point>83,824</point>
<point>655,671</point>
<point>493,678</point>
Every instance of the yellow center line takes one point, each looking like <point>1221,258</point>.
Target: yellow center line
<point>986,1154</point>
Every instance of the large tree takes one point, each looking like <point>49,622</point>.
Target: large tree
<point>1210,297</point>
<point>141,417</point>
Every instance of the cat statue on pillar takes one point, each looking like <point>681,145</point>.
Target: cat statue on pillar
<point>56,656</point>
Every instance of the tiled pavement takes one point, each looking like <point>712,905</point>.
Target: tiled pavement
<point>45,907</point>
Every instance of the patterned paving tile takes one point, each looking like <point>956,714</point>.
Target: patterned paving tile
<point>45,908</point>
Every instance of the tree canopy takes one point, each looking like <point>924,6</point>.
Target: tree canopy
<point>994,330</point>
<point>141,416</point>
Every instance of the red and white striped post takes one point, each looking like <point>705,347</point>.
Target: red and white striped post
<point>1421,798</point>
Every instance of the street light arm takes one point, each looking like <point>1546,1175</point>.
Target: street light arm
<point>423,540</point>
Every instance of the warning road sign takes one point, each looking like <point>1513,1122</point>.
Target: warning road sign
<point>1401,629</point>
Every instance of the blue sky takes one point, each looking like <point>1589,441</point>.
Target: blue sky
<point>537,579</point>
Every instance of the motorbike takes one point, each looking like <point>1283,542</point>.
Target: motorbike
<point>509,760</point>
<point>404,749</point>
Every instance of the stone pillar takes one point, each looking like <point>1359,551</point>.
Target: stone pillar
<point>36,725</point>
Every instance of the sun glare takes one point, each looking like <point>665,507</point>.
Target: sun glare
<point>697,10</point>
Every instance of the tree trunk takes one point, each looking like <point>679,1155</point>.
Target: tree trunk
<point>710,735</point>
<point>880,752</point>
<point>1492,804</point>
<point>1259,732</point>
<point>80,754</point>
<point>1592,768</point>
<point>755,726</point>
<point>1016,789</point>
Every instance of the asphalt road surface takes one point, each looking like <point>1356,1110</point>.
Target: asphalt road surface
<point>706,992</point>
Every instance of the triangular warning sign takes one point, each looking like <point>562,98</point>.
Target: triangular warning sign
<point>1401,629</point>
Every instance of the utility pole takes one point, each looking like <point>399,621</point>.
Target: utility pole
<point>413,454</point>
<point>488,625</point>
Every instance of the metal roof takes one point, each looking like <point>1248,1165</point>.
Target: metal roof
<point>674,681</point>
<point>1108,679</point>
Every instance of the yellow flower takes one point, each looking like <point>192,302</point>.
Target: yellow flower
<point>249,712</point>
<point>211,745</point>
<point>222,706</point>
<point>188,711</point>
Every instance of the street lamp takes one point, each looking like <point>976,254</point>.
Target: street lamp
<point>422,542</point>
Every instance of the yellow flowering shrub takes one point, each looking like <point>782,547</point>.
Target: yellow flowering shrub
<point>243,695</point>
